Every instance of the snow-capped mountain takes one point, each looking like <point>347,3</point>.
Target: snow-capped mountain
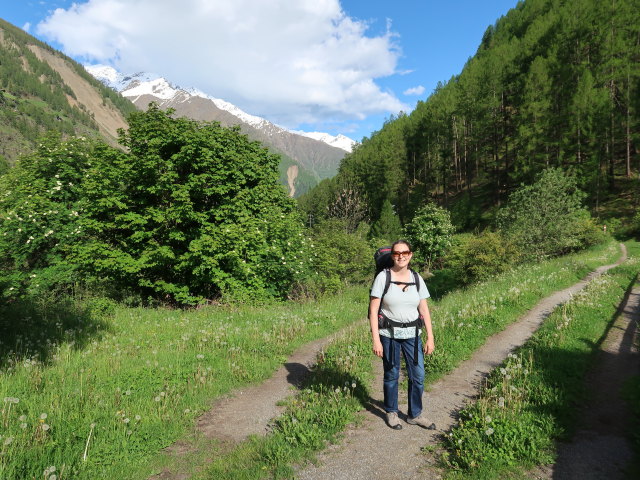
<point>340,141</point>
<point>137,85</point>
<point>307,158</point>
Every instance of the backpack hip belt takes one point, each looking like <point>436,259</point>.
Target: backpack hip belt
<point>384,322</point>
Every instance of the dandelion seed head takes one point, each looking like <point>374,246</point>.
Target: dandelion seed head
<point>489,431</point>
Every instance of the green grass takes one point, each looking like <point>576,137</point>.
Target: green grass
<point>121,387</point>
<point>530,401</point>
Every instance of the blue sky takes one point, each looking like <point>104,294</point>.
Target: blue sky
<point>340,66</point>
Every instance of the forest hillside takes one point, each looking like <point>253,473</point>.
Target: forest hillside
<point>42,90</point>
<point>553,83</point>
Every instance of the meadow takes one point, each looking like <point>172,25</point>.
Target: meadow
<point>96,390</point>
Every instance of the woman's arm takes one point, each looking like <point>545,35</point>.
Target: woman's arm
<point>374,306</point>
<point>429,344</point>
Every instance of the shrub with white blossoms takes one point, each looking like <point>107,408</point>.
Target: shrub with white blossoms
<point>39,214</point>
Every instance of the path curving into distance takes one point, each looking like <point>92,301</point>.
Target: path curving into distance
<point>376,451</point>
<point>372,450</point>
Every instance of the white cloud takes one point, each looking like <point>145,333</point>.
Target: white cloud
<point>419,90</point>
<point>289,61</point>
<point>26,27</point>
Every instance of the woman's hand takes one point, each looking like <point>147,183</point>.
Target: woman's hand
<point>429,346</point>
<point>377,347</point>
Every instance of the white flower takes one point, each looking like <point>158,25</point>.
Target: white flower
<point>489,431</point>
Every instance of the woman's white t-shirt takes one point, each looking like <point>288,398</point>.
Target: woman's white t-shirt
<point>399,306</point>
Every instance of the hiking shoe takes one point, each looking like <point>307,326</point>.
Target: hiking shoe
<point>392,420</point>
<point>421,422</point>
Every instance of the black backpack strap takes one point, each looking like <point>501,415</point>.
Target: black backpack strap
<point>416,278</point>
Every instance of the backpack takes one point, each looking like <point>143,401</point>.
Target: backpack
<point>383,261</point>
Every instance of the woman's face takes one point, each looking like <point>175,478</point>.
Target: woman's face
<point>401,255</point>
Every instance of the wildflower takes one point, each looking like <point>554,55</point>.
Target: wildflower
<point>488,419</point>
<point>503,371</point>
<point>200,356</point>
<point>45,427</point>
<point>8,441</point>
<point>43,416</point>
<point>489,431</point>
<point>353,385</point>
<point>23,426</point>
<point>157,399</point>
<point>126,420</point>
<point>501,402</point>
<point>138,418</point>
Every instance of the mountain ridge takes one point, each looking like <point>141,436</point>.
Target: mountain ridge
<point>316,153</point>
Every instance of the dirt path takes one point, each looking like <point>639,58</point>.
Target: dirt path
<point>600,448</point>
<point>376,451</point>
<point>245,412</point>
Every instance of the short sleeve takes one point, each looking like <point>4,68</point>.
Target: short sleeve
<point>378,285</point>
<point>424,291</point>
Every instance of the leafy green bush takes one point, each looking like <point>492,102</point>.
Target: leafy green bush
<point>191,211</point>
<point>545,218</point>
<point>430,233</point>
<point>40,206</point>
<point>482,256</point>
<point>338,258</point>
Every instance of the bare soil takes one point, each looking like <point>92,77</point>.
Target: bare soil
<point>109,119</point>
<point>373,450</point>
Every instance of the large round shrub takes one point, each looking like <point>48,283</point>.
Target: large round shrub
<point>191,211</point>
<point>430,233</point>
<point>547,217</point>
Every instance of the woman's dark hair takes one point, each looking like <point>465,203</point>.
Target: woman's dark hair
<point>399,242</point>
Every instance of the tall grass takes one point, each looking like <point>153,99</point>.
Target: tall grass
<point>100,408</point>
<point>530,401</point>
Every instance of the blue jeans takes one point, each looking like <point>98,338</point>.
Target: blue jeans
<point>391,362</point>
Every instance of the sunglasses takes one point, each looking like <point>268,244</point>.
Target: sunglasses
<point>406,253</point>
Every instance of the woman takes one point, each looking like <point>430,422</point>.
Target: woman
<point>401,304</point>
